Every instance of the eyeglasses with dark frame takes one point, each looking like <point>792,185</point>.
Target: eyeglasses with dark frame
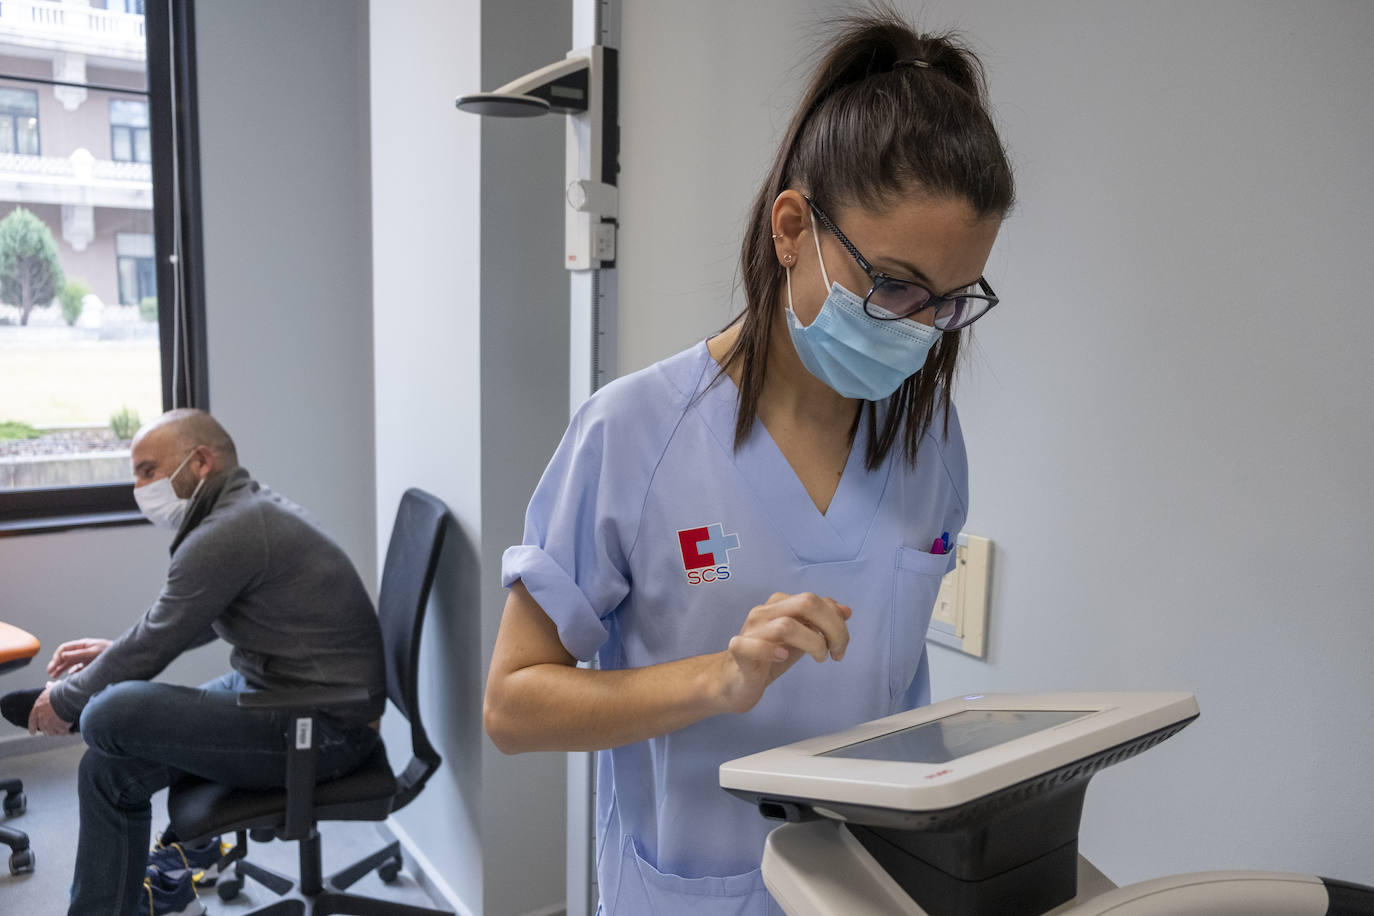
<point>891,298</point>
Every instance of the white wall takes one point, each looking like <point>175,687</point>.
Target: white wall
<point>282,91</point>
<point>425,261</point>
<point>471,392</point>
<point>1169,417</point>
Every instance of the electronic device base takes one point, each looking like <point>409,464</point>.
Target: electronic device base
<point>971,807</point>
<point>818,868</point>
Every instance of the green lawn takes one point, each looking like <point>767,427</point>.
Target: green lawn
<point>79,382</point>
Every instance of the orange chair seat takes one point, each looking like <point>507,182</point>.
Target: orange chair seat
<point>16,644</point>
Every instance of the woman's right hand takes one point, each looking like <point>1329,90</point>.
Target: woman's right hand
<point>775,635</point>
<point>71,657</point>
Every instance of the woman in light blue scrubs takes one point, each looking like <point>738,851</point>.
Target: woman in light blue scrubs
<point>779,491</point>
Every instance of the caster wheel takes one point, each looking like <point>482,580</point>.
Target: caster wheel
<point>21,862</point>
<point>16,803</point>
<point>228,888</point>
<point>389,871</point>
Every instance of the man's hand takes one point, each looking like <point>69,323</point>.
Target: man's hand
<point>42,719</point>
<point>71,657</point>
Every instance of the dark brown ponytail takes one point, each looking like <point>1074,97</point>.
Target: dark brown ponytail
<point>888,111</point>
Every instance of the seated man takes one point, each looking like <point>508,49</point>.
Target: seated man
<point>248,566</point>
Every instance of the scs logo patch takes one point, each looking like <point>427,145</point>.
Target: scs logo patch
<point>706,553</point>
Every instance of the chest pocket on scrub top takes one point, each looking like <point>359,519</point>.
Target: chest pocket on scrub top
<point>915,585</point>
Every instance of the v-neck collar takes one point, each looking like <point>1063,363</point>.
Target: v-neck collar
<point>838,535</point>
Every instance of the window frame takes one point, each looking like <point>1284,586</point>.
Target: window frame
<point>133,133</point>
<point>172,117</point>
<point>137,260</point>
<point>138,278</point>
<point>14,123</point>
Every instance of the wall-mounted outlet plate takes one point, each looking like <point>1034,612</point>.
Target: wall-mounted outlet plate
<point>960,618</point>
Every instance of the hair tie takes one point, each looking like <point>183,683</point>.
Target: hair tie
<point>911,62</point>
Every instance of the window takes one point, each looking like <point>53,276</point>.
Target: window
<point>130,140</point>
<point>101,322</point>
<point>137,272</point>
<point>19,121</point>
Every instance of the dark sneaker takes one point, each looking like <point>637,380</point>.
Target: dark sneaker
<point>202,861</point>
<point>169,894</point>
<point>16,706</point>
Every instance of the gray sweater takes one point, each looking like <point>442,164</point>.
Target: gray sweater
<point>252,568</point>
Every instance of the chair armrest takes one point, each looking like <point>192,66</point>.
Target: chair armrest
<point>310,698</point>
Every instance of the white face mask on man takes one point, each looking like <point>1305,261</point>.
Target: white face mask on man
<point>159,502</point>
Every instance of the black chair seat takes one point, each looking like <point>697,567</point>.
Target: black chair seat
<point>200,809</point>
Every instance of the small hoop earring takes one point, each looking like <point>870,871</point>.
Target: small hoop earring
<point>777,236</point>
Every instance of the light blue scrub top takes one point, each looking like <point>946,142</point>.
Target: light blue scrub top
<point>646,490</point>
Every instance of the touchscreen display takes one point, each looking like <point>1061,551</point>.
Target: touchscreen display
<point>958,735</point>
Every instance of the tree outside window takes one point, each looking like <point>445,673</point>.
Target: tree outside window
<point>30,269</point>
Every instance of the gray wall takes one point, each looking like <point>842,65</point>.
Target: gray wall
<point>524,305</point>
<point>1169,418</point>
<point>285,214</point>
<point>471,392</point>
<point>287,219</point>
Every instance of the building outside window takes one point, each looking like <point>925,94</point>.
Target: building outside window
<point>130,139</point>
<point>87,227</point>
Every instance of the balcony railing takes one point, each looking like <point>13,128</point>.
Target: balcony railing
<point>68,27</point>
<point>76,179</point>
<point>78,166</point>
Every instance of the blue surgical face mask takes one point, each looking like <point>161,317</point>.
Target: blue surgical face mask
<point>858,356</point>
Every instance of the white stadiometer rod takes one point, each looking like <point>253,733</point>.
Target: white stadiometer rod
<point>591,363</point>
<point>592,338</point>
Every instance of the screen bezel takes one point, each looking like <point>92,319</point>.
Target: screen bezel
<point>799,771</point>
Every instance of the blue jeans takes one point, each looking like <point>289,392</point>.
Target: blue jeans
<point>142,737</point>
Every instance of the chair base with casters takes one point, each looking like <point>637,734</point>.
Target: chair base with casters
<point>21,856</point>
<point>319,895</point>
<point>200,810</point>
<point>17,648</point>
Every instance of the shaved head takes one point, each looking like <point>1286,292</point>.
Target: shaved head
<point>188,427</point>
<point>160,446</point>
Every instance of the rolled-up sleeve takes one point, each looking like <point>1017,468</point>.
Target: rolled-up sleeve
<point>573,560</point>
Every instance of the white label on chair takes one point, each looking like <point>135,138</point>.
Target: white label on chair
<point>303,734</point>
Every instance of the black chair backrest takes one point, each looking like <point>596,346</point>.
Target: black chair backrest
<point>412,559</point>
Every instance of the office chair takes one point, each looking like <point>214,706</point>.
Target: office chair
<point>200,810</point>
<point>17,648</point>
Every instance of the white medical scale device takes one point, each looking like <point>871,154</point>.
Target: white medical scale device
<point>971,807</point>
